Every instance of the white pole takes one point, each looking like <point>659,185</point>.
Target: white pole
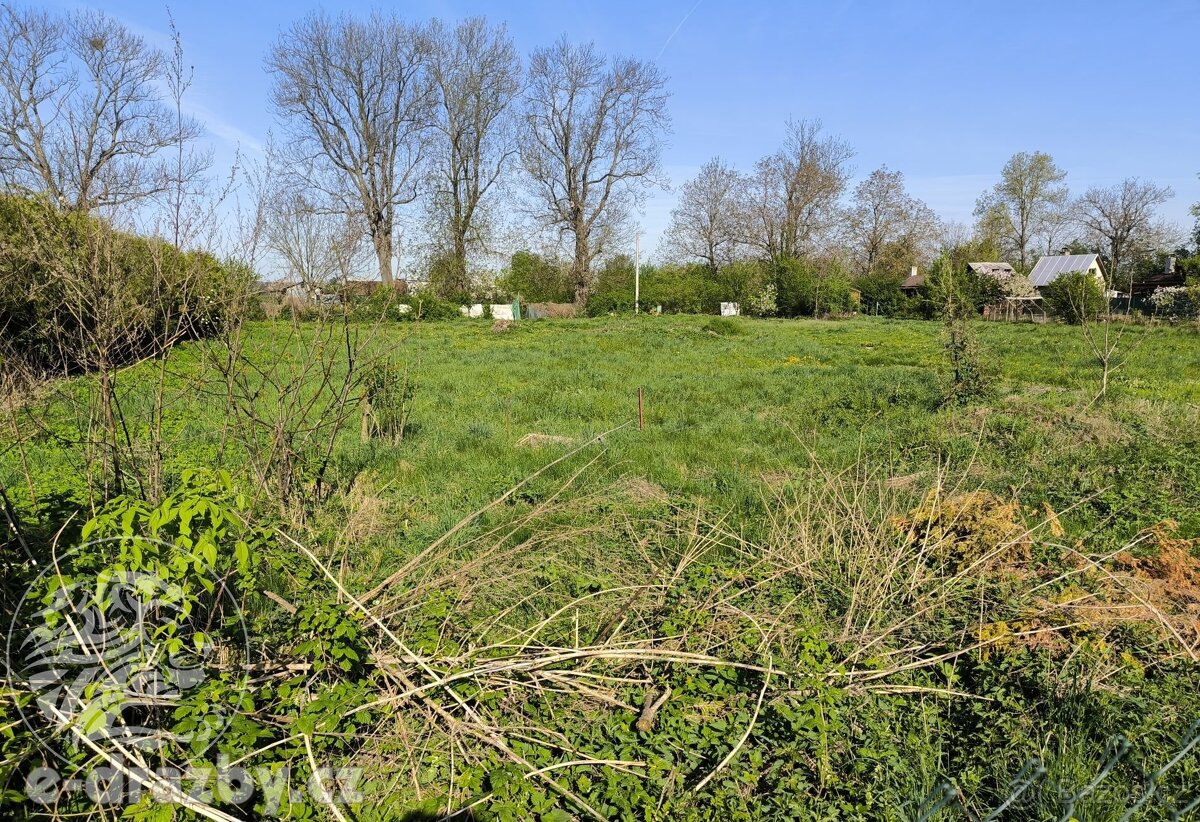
<point>637,270</point>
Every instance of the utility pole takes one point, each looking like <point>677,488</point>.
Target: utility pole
<point>637,270</point>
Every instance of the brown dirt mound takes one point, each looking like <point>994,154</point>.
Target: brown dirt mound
<point>639,489</point>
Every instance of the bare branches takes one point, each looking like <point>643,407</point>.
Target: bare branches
<point>591,143</point>
<point>1120,219</point>
<point>708,223</point>
<point>319,248</point>
<point>81,114</point>
<point>476,75</point>
<point>886,225</point>
<point>795,190</point>
<point>356,101</point>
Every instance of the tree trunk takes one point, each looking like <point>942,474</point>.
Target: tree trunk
<point>461,286</point>
<point>581,269</point>
<point>381,238</point>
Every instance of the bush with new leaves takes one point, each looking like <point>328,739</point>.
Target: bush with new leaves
<point>1075,297</point>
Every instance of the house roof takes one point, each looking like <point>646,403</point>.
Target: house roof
<point>913,281</point>
<point>1049,269</point>
<point>1001,271</point>
<point>1159,280</point>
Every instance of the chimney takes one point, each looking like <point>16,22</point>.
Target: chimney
<point>1169,265</point>
<point>913,273</point>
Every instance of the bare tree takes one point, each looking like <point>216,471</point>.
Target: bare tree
<point>476,75</point>
<point>706,225</point>
<point>885,221</point>
<point>356,100</point>
<point>1017,207</point>
<point>82,119</point>
<point>795,190</point>
<point>591,143</point>
<point>319,248</point>
<point>1058,229</point>
<point>1121,219</point>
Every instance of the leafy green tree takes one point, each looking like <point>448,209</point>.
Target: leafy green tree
<point>445,277</point>
<point>739,280</point>
<point>951,283</point>
<point>808,288</point>
<point>536,279</point>
<point>881,293</point>
<point>1019,208</point>
<point>1074,297</point>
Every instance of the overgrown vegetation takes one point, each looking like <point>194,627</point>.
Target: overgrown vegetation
<point>308,554</point>
<point>1075,297</point>
<point>838,591</point>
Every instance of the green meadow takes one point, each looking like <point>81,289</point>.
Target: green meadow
<point>728,411</point>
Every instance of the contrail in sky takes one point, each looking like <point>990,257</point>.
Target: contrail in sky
<point>677,28</point>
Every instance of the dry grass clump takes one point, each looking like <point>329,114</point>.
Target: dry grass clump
<point>367,510</point>
<point>641,490</point>
<point>537,440</point>
<point>1172,570</point>
<point>525,607</point>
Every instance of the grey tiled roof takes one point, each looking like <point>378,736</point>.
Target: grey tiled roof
<point>1000,271</point>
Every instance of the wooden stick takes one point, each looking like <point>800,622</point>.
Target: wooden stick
<point>641,414</point>
<point>645,722</point>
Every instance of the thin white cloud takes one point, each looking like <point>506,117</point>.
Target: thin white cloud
<point>224,130</point>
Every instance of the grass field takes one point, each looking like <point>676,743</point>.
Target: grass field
<point>792,502</point>
<point>729,414</point>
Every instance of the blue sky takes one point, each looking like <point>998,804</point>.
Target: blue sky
<point>942,91</point>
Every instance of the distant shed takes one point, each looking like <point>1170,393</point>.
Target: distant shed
<point>913,283</point>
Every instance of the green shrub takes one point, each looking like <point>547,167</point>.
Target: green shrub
<point>763,303</point>
<point>425,306</point>
<point>1074,297</point>
<point>881,293</point>
<point>725,327</point>
<point>536,279</point>
<point>679,289</point>
<point>969,380</point>
<point>808,288</point>
<point>78,293</point>
<point>952,283</point>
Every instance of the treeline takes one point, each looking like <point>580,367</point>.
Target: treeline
<point>462,130</point>
<point>790,212</point>
<point>447,128</point>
